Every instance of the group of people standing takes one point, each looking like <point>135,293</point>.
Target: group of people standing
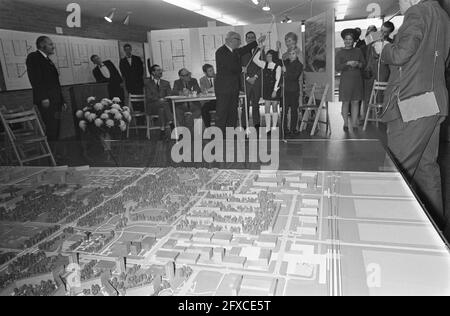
<point>360,66</point>
<point>261,74</point>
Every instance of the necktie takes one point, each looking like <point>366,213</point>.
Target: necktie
<point>157,84</point>
<point>212,82</point>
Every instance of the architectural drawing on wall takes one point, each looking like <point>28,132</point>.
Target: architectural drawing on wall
<point>211,39</point>
<point>171,49</point>
<point>72,57</point>
<point>13,56</point>
<point>173,56</point>
<point>63,55</point>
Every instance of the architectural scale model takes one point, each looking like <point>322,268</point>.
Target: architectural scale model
<point>201,232</point>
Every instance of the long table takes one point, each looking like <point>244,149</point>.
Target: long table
<point>199,98</point>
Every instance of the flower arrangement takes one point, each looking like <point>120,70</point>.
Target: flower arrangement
<point>105,116</point>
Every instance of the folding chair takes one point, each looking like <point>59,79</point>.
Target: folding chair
<point>26,136</point>
<point>135,115</point>
<point>375,103</point>
<point>320,109</point>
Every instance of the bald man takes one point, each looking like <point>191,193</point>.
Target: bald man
<point>414,69</point>
<point>229,70</point>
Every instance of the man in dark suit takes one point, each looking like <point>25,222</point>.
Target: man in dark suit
<point>207,84</point>
<point>106,72</point>
<point>186,86</point>
<point>132,69</point>
<point>229,70</point>
<point>47,93</point>
<point>252,81</point>
<point>156,90</point>
<point>415,145</point>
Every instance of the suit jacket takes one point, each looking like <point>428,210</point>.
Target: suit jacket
<point>205,83</point>
<point>252,69</point>
<point>179,85</point>
<point>154,94</point>
<point>134,74</point>
<point>413,50</point>
<point>229,68</point>
<point>44,79</point>
<point>115,78</point>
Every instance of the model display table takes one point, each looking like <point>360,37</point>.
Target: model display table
<point>200,232</point>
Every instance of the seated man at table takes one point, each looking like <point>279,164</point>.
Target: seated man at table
<point>207,85</point>
<point>187,86</point>
<point>156,90</point>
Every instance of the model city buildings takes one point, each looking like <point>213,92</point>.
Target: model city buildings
<point>170,231</point>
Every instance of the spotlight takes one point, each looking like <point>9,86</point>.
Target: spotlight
<point>127,19</point>
<point>266,6</point>
<point>110,16</point>
<point>255,2</point>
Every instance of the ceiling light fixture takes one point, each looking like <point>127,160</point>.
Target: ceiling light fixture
<point>110,16</point>
<point>266,6</point>
<point>209,12</point>
<point>127,19</point>
<point>255,2</point>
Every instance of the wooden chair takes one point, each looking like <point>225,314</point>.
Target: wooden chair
<point>26,135</point>
<point>318,109</point>
<point>375,103</point>
<point>134,99</point>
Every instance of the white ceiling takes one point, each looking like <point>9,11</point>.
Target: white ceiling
<point>156,14</point>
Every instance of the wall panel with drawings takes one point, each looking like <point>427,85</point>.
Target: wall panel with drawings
<point>192,48</point>
<point>72,57</point>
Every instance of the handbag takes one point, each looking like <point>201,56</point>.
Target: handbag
<point>424,105</point>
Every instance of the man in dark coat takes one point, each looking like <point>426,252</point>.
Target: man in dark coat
<point>252,81</point>
<point>47,93</point>
<point>229,70</point>
<point>132,69</point>
<point>106,72</point>
<point>156,91</point>
<point>415,145</point>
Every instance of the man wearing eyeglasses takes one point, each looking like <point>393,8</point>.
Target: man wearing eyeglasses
<point>187,86</point>
<point>229,70</point>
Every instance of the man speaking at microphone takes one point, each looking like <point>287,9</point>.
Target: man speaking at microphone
<point>229,70</point>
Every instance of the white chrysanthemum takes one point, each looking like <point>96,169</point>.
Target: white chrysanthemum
<point>92,117</point>
<point>104,116</point>
<point>106,102</point>
<point>123,126</point>
<point>110,123</point>
<point>83,125</point>
<point>114,111</point>
<point>98,123</point>
<point>116,106</point>
<point>99,107</point>
<point>90,99</point>
<point>126,108</point>
<point>116,100</point>
<point>79,114</point>
<point>87,114</point>
<point>85,109</point>
<point>127,116</point>
<point>118,116</point>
